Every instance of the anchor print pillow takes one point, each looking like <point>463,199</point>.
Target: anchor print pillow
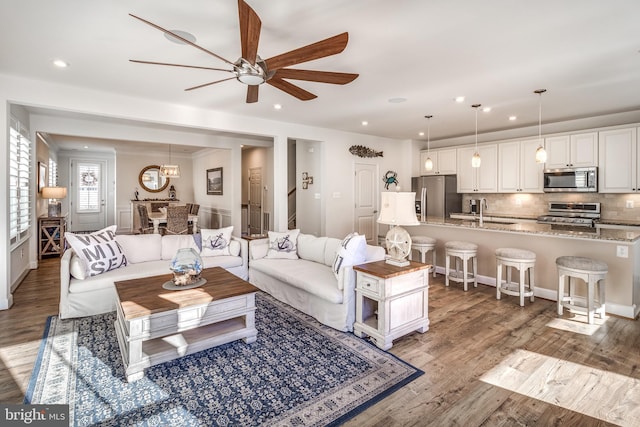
<point>352,251</point>
<point>283,245</point>
<point>216,242</point>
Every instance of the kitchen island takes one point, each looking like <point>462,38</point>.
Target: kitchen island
<point>620,249</point>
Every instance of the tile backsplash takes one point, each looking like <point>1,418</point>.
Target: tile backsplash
<point>613,206</point>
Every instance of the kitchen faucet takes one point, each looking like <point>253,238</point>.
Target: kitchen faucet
<point>483,206</point>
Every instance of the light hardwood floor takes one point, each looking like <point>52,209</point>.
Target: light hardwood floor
<point>486,362</point>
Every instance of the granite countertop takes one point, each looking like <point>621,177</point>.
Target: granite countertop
<point>542,229</point>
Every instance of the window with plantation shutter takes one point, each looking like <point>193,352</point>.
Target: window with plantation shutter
<point>53,173</point>
<point>19,182</point>
<point>88,187</point>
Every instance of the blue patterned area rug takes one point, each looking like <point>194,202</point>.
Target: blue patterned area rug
<point>297,373</point>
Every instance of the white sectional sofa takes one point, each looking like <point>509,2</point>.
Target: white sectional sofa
<point>308,283</point>
<point>147,255</point>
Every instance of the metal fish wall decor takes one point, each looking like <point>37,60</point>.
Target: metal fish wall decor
<point>362,151</point>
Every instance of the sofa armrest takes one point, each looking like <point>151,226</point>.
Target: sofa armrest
<point>65,279</point>
<point>258,248</point>
<point>244,250</point>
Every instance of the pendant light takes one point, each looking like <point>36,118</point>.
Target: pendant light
<point>428,164</point>
<point>541,153</point>
<point>475,160</point>
<point>169,170</point>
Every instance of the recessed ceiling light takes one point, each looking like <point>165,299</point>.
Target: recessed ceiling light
<point>459,98</point>
<point>183,34</point>
<point>364,123</point>
<point>421,134</point>
<point>512,118</point>
<point>60,63</point>
<point>397,100</point>
<point>277,106</point>
<point>86,147</point>
<point>486,109</point>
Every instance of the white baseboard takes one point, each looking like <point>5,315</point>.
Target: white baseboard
<point>628,311</point>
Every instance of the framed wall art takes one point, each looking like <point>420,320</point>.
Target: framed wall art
<point>214,181</point>
<point>42,176</point>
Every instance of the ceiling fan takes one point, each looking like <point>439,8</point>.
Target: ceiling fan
<point>253,71</point>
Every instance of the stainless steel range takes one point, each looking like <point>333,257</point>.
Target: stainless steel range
<point>571,214</point>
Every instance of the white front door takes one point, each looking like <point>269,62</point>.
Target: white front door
<point>366,201</point>
<point>87,195</point>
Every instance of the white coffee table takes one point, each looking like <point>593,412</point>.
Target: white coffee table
<point>155,325</point>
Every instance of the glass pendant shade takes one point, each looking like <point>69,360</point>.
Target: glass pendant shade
<point>541,155</point>
<point>476,160</point>
<point>428,164</point>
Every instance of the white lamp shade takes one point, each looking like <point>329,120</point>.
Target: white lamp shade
<point>54,192</point>
<point>398,208</point>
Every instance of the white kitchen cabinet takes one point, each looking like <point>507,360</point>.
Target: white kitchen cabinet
<point>444,162</point>
<point>576,150</point>
<point>478,180</point>
<point>618,170</point>
<point>518,170</point>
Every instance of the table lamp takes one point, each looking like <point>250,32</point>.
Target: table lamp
<point>398,209</point>
<point>54,194</point>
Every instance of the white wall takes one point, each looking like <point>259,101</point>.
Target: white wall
<point>309,203</point>
<point>159,118</point>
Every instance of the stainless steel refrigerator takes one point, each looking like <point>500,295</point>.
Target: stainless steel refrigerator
<point>436,196</point>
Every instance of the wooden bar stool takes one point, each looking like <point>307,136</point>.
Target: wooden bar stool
<point>462,252</point>
<point>593,272</point>
<point>524,261</point>
<point>424,244</point>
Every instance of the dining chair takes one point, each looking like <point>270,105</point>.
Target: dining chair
<point>146,227</point>
<point>189,207</point>
<point>195,207</point>
<point>177,220</point>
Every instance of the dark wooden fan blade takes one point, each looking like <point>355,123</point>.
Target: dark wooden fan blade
<point>182,39</point>
<point>252,94</point>
<point>179,65</point>
<point>209,84</point>
<point>250,25</point>
<point>326,47</point>
<point>291,89</point>
<point>316,76</point>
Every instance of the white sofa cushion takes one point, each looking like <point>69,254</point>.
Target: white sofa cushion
<point>171,244</point>
<point>315,278</point>
<point>330,250</point>
<point>140,247</point>
<point>311,247</point>
<point>352,251</point>
<point>224,261</point>
<point>131,271</point>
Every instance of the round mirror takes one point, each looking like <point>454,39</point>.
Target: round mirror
<point>152,180</point>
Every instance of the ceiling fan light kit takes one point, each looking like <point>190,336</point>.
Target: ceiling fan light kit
<point>252,71</point>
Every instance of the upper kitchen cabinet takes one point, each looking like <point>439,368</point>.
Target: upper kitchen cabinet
<point>518,170</point>
<point>478,180</point>
<point>578,150</point>
<point>444,162</point>
<point>618,170</point>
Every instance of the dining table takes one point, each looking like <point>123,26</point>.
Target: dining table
<point>160,217</point>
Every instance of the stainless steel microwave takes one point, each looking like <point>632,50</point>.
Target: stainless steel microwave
<point>571,180</point>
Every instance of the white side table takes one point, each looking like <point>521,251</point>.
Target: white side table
<point>391,301</point>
